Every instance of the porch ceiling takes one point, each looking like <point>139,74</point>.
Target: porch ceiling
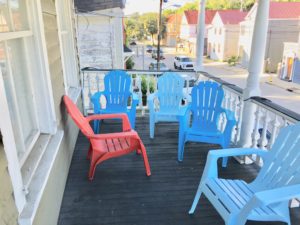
<point>122,194</point>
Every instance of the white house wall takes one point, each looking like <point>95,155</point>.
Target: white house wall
<point>100,39</point>
<point>279,31</point>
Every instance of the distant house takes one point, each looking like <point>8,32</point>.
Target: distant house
<point>284,18</point>
<point>290,65</point>
<point>223,34</point>
<point>100,33</point>
<point>188,28</point>
<point>173,29</point>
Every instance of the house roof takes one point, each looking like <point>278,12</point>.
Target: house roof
<point>94,5</point>
<point>284,10</point>
<point>174,18</point>
<point>233,16</point>
<point>192,16</point>
<point>281,10</point>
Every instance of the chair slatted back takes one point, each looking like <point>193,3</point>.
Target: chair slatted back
<point>170,91</point>
<point>117,89</point>
<point>282,167</point>
<point>206,104</point>
<point>77,116</point>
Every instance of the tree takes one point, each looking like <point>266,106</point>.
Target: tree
<point>150,21</point>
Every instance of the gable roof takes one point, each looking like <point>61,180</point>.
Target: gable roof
<point>233,16</point>
<point>280,10</point>
<point>192,16</point>
<point>284,10</point>
<point>94,5</point>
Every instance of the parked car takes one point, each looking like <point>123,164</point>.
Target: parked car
<point>132,43</point>
<point>162,66</point>
<point>183,63</point>
<point>189,83</point>
<point>154,54</point>
<point>149,48</point>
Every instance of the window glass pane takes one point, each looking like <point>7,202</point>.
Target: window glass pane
<point>5,25</point>
<point>13,15</point>
<point>19,91</point>
<point>19,14</point>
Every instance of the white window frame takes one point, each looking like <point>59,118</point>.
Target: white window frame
<point>46,112</point>
<point>69,62</point>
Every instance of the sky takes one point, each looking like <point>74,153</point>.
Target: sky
<point>143,6</point>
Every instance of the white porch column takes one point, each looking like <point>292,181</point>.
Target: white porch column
<point>200,36</point>
<point>256,64</point>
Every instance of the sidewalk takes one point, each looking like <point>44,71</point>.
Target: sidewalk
<point>286,94</point>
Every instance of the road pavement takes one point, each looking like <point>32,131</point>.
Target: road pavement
<point>281,92</point>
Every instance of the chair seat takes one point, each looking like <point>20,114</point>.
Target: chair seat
<point>205,132</point>
<point>232,196</point>
<point>177,112</point>
<point>114,145</point>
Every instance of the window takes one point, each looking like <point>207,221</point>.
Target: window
<point>215,30</point>
<point>26,96</point>
<point>220,31</point>
<point>219,47</point>
<point>68,46</point>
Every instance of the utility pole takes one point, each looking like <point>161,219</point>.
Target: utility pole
<point>159,34</point>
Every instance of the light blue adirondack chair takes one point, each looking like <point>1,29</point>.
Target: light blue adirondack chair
<point>170,95</point>
<point>267,197</point>
<point>116,92</point>
<point>205,111</point>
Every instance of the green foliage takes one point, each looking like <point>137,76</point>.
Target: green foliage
<point>233,60</point>
<point>144,85</point>
<point>129,64</point>
<point>140,26</point>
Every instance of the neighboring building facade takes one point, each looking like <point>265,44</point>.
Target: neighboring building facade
<point>223,34</point>
<point>188,29</point>
<point>284,18</point>
<point>39,65</point>
<point>100,33</point>
<point>290,65</point>
<point>173,30</point>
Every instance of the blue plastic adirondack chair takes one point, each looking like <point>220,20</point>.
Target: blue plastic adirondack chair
<point>116,92</point>
<point>267,197</point>
<point>206,109</point>
<point>170,95</point>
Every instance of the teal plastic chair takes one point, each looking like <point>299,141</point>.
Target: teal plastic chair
<point>267,197</point>
<point>116,92</point>
<point>200,123</point>
<point>170,95</point>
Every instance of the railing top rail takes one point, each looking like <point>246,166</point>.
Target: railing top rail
<point>268,104</point>
<point>93,69</point>
<point>223,82</point>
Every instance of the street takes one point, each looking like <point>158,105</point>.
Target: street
<point>281,92</point>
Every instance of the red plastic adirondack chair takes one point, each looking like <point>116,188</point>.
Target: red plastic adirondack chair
<point>110,145</point>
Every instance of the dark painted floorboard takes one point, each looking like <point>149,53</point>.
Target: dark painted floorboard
<point>121,193</point>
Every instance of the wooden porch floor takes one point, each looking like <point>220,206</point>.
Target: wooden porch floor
<point>121,193</point>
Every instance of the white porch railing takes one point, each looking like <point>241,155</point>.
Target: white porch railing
<point>269,117</point>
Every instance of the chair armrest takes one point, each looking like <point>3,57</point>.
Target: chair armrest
<point>278,194</point>
<point>135,100</point>
<point>215,154</point>
<point>211,167</point>
<point>229,115</point>
<point>231,122</point>
<point>184,119</point>
<point>150,100</point>
<point>125,121</point>
<point>125,134</point>
<point>95,99</point>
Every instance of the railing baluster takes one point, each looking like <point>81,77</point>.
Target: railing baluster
<point>275,126</point>
<point>255,134</point>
